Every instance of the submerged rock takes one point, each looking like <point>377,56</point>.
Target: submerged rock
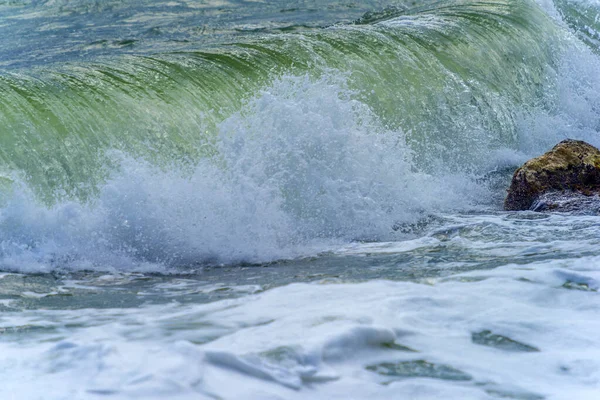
<point>567,178</point>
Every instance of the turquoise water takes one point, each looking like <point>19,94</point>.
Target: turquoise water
<point>263,200</point>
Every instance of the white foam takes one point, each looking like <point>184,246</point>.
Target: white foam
<point>317,340</point>
<point>301,168</point>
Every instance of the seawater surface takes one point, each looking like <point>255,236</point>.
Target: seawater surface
<point>266,200</point>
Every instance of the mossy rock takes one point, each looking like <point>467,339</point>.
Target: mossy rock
<point>572,166</point>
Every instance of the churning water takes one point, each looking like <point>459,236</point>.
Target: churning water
<point>267,200</point>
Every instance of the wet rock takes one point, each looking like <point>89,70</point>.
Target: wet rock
<point>572,202</point>
<point>567,178</point>
<point>419,369</point>
<point>490,339</point>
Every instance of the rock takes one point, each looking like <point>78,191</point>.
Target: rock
<point>571,170</point>
<point>572,202</point>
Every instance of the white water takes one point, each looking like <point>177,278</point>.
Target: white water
<point>532,280</point>
<point>317,340</point>
<point>302,168</point>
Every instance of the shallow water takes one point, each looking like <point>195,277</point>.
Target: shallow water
<point>249,200</point>
<point>497,305</point>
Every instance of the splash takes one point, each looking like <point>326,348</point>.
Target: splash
<point>302,167</point>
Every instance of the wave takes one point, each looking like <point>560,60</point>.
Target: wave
<point>286,144</point>
<point>583,18</point>
<point>451,76</point>
<point>318,172</point>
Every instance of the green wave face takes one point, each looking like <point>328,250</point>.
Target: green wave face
<point>448,77</point>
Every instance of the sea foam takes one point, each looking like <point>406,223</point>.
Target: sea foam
<point>302,167</point>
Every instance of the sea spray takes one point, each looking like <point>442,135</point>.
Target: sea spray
<point>452,78</point>
<point>284,145</point>
<point>302,167</point>
<point>346,152</point>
